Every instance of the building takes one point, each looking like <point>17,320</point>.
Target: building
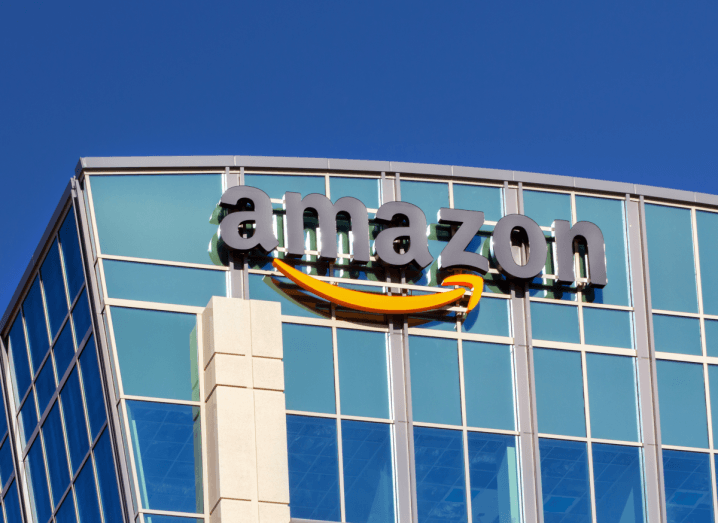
<point>158,368</point>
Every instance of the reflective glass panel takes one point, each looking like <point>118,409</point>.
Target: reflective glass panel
<point>40,494</point>
<point>75,425</point>
<point>491,317</point>
<point>71,255</point>
<point>435,396</point>
<point>28,415</point>
<point>428,196</point>
<point>81,317</point>
<point>308,368</point>
<point>707,223</point>
<point>162,283</point>
<point>479,198</point>
<point>687,480</point>
<point>45,385</point>
<point>365,190</point>
<point>553,322</point>
<point>713,381</point>
<point>559,392</point>
<point>107,480</point>
<point>34,313</point>
<point>612,396</point>
<point>440,479</point>
<point>66,512</point>
<point>19,358</point>
<point>160,217</point>
<point>12,505</point>
<point>493,472</point>
<point>711,328</point>
<point>263,288</point>
<point>608,328</point>
<point>155,353</point>
<point>564,480</point>
<point>6,464</point>
<point>670,257</point>
<point>618,483</point>
<point>681,397</point>
<point>93,388</point>
<point>313,468</point>
<point>56,454</point>
<point>166,440</point>
<point>677,334</point>
<point>3,420</point>
<point>64,351</point>
<point>86,493</point>
<point>368,478</point>
<point>364,387</point>
<point>488,384</point>
<point>545,207</point>
<point>52,281</point>
<point>276,185</point>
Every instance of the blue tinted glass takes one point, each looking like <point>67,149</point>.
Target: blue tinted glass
<point>28,415</point>
<point>107,480</point>
<point>488,384</point>
<point>93,388</point>
<point>545,207</point>
<point>64,351</point>
<point>81,317</point>
<point>368,478</point>
<point>608,215</point>
<point>428,196</point>
<point>553,322</point>
<point>160,217</point>
<point>75,424</point>
<point>3,419</point>
<point>440,480</point>
<point>162,283</point>
<point>677,334</point>
<point>364,386</point>
<point>56,454</point>
<point>308,368</point>
<point>36,327</point>
<point>12,505</point>
<point>493,472</point>
<point>313,468</point>
<point>52,281</point>
<point>713,381</point>
<point>19,359</point>
<point>263,288</point>
<point>559,392</point>
<point>478,198</point>
<point>6,465</point>
<point>166,440</point>
<point>608,328</point>
<point>154,350</point>
<point>71,255</point>
<point>687,479</point>
<point>711,328</point>
<point>612,397</point>
<point>66,512</point>
<point>618,483</point>
<point>86,493</point>
<point>670,257</point>
<point>435,396</point>
<point>491,316</point>
<point>38,482</point>
<point>45,385</point>
<point>564,480</point>
<point>707,225</point>
<point>276,185</point>
<point>364,189</point>
<point>681,398</point>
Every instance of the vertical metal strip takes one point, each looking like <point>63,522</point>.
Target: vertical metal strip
<point>409,415</point>
<point>338,410</point>
<point>236,260</point>
<point>464,431</point>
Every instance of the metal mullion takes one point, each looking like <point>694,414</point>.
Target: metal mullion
<point>150,399</point>
<point>127,434</point>
<point>409,416</point>
<point>589,446</point>
<point>91,215</point>
<point>152,261</point>
<point>203,414</point>
<point>113,354</point>
<point>337,408</point>
<point>464,434</point>
<point>7,484</point>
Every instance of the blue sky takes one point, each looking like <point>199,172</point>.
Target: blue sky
<point>613,90</point>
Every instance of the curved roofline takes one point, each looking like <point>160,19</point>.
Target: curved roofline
<point>425,169</point>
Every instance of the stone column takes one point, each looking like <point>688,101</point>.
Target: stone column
<point>246,433</point>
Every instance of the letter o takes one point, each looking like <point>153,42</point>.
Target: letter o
<point>501,247</point>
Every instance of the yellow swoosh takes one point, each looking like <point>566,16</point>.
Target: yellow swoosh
<point>371,302</point>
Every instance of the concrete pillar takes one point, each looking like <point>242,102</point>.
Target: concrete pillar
<point>246,422</point>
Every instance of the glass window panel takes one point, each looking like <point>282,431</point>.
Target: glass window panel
<point>435,396</point>
<point>711,328</point>
<point>75,425</point>
<point>276,185</point>
<point>608,215</point>
<point>493,473</point>
<point>677,334</point>
<point>28,415</point>
<point>45,385</point>
<point>161,217</point>
<point>56,454</point>
<point>12,505</point>
<point>491,317</point>
<point>440,480</point>
<point>488,383</point>
<point>618,483</point>
<point>107,479</point>
<point>3,419</point>
<point>681,397</point>
<point>40,494</point>
<point>670,257</point>
<point>364,189</point>
<point>308,368</point>
<point>428,196</point>
<point>429,275</point>
<point>687,480</point>
<point>564,480</point>
<point>559,392</point>
<point>64,351</point>
<point>553,322</point>
<point>81,317</point>
<point>167,440</point>
<point>71,255</point>
<point>608,328</point>
<point>66,512</point>
<point>93,388</point>
<point>612,396</point>
<point>545,207</point>
<point>707,225</point>
<point>363,381</point>
<point>479,198</point>
<point>155,353</point>
<point>713,381</point>
<point>162,283</point>
<point>19,358</point>
<point>6,464</point>
<point>86,493</point>
<point>53,282</point>
<point>368,478</point>
<point>262,288</point>
<point>313,468</point>
<point>35,322</point>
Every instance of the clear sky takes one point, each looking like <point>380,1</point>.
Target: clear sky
<point>613,90</point>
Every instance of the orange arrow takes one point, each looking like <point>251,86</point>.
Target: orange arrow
<point>371,302</point>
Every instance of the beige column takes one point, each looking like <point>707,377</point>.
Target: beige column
<point>246,422</point>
